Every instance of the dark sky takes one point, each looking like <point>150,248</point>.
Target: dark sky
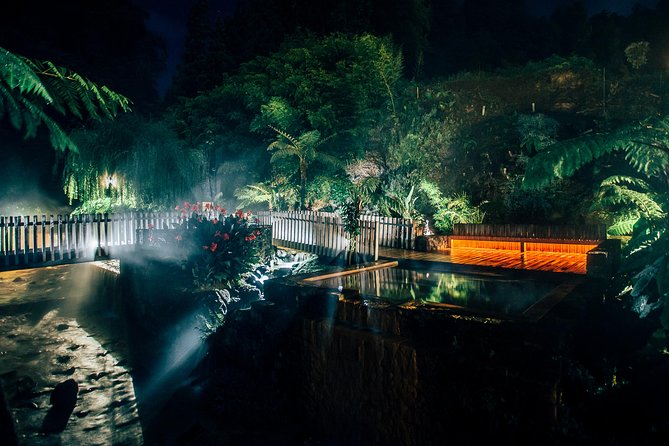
<point>167,18</point>
<point>544,7</point>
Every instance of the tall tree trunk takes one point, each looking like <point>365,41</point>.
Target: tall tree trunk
<point>303,184</point>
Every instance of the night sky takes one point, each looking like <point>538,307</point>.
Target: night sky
<point>167,18</point>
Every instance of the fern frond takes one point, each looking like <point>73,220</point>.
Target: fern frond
<point>645,149</point>
<point>254,193</point>
<point>294,141</point>
<point>11,106</point>
<point>29,87</point>
<point>644,239</point>
<point>16,73</point>
<point>622,227</point>
<point>286,152</point>
<point>644,202</point>
<point>625,180</point>
<point>647,159</point>
<point>562,159</point>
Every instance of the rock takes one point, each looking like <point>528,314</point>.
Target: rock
<point>65,394</point>
<point>25,386</point>
<point>64,372</point>
<point>63,399</point>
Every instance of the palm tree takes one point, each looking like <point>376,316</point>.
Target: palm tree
<point>641,200</point>
<point>304,148</point>
<point>31,90</point>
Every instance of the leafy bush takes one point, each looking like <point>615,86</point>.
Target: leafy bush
<point>221,249</point>
<point>450,210</point>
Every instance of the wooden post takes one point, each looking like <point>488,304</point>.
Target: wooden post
<point>26,239</point>
<point>376,240</point>
<point>51,239</point>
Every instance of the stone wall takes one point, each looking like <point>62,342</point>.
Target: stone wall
<point>431,243</point>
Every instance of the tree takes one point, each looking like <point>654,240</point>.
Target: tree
<point>193,73</point>
<point>304,148</point>
<point>637,54</point>
<point>131,163</point>
<point>642,189</point>
<point>31,90</point>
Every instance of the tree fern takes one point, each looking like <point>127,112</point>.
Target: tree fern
<point>644,144</point>
<point>30,88</point>
<point>15,73</point>
<point>303,148</point>
<point>256,193</point>
<point>640,203</point>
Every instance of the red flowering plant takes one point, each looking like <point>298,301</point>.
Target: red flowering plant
<point>221,249</point>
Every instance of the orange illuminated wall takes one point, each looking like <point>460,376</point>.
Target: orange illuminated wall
<point>568,248</point>
<point>485,244</point>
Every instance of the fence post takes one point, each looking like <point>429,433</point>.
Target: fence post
<point>52,249</point>
<point>376,240</point>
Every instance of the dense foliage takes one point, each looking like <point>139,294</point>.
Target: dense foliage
<point>634,197</point>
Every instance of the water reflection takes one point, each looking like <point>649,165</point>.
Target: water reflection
<point>478,293</point>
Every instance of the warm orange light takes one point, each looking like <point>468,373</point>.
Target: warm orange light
<point>485,244</point>
<point>568,248</point>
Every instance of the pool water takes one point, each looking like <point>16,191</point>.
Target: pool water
<point>487,294</point>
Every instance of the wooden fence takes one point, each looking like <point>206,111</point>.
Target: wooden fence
<point>33,241</point>
<point>546,238</point>
<point>590,233</point>
<point>392,232</point>
<point>319,232</point>
<point>38,240</point>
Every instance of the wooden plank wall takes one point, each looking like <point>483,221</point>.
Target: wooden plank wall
<point>519,231</point>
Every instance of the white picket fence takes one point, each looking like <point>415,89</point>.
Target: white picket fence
<point>26,241</point>
<point>320,232</point>
<point>392,232</point>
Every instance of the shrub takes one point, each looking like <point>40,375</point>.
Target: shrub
<point>221,249</point>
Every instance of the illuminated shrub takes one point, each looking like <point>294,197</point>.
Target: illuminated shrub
<point>221,249</point>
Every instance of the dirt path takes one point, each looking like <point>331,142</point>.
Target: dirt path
<point>51,331</point>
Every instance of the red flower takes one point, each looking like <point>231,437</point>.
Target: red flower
<point>194,207</point>
<point>240,213</point>
<point>218,208</point>
<point>186,204</point>
<point>213,246</point>
<point>226,236</point>
<point>223,211</point>
<point>176,208</point>
<point>207,206</point>
<point>257,231</point>
<point>215,221</point>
